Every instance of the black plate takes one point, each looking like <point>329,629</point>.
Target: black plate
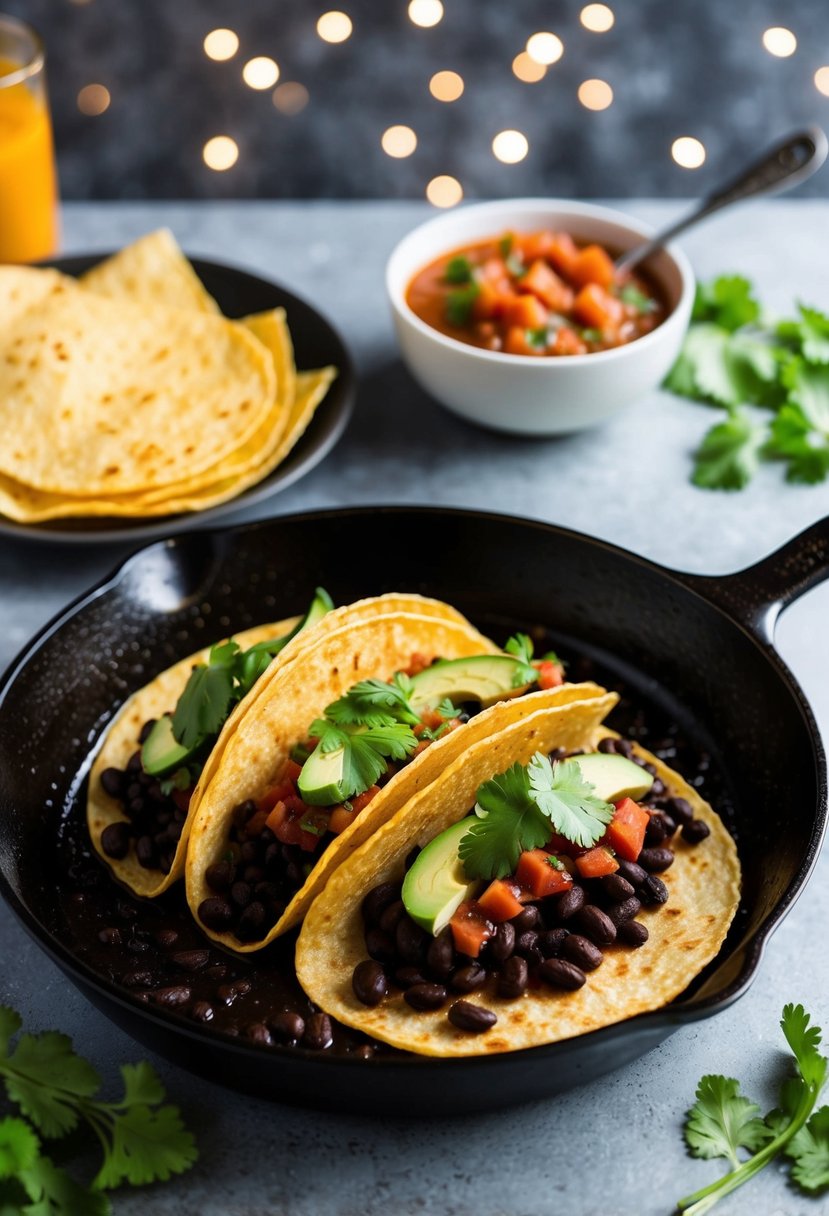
<point>697,649</point>
<point>316,344</point>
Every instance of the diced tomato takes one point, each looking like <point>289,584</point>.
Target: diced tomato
<point>543,282</point>
<point>550,674</point>
<point>277,793</point>
<point>418,662</point>
<point>293,822</point>
<point>492,300</point>
<point>532,245</point>
<point>340,819</point>
<point>561,252</point>
<point>182,799</point>
<point>361,801</point>
<point>470,929</point>
<point>595,863</point>
<point>568,342</point>
<point>560,845</point>
<point>527,312</point>
<point>494,270</point>
<point>626,830</point>
<point>499,901</point>
<point>538,872</point>
<point>516,342</point>
<point>597,308</point>
<point>592,265</point>
<point>292,771</point>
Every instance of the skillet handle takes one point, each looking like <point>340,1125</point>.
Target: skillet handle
<point>756,596</point>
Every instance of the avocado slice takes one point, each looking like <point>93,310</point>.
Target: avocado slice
<point>321,781</point>
<point>435,885</point>
<point>485,678</point>
<point>320,606</point>
<point>614,777</point>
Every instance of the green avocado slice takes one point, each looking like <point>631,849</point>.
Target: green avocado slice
<point>614,777</point>
<point>435,885</point>
<point>486,678</point>
<point>321,781</point>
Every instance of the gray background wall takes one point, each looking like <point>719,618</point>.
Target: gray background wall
<point>677,67</point>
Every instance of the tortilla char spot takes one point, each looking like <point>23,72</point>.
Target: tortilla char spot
<point>496,1045</point>
<point>356,662</point>
<point>647,969</point>
<point>518,1017</point>
<point>690,945</point>
<point>673,911</point>
<point>106,398</point>
<point>710,918</point>
<point>111,470</point>
<point>622,967</point>
<point>335,671</point>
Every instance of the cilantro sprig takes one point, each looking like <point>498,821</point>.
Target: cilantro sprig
<point>55,1090</point>
<point>366,750</point>
<point>521,809</point>
<point>732,358</point>
<point>723,1122</point>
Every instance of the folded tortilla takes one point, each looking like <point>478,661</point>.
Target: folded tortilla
<point>684,935</point>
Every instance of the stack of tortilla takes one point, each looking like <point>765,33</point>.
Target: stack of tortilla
<point>127,393</point>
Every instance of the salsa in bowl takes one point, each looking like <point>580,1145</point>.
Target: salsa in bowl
<point>511,313</point>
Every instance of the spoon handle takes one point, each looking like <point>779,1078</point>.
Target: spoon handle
<point>787,164</point>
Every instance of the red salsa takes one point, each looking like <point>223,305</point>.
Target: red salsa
<point>536,293</point>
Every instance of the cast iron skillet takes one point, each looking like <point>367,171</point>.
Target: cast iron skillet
<point>699,647</point>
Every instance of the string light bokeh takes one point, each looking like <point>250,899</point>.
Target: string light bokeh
<point>442,98</point>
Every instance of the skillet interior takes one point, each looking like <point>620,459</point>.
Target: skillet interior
<point>727,692</point>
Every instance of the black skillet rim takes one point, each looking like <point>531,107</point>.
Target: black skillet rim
<point>668,1018</point>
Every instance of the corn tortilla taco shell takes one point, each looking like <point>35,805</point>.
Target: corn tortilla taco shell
<point>25,287</point>
<point>685,934</point>
<point>160,697</point>
<point>154,270</point>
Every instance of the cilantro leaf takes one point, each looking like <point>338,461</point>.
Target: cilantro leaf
<point>520,645</point>
<point>458,270</point>
<point>809,335</point>
<point>205,702</point>
<point>10,1023</point>
<point>148,1145</point>
<point>809,388</point>
<point>446,709</point>
<point>54,1193</point>
<point>560,791</point>
<point>630,294</point>
<point>511,823</point>
<point>809,1149</point>
<point>459,304</point>
<point>795,440</point>
<point>538,337</point>
<point>804,1040</point>
<point>19,1147</point>
<point>505,244</point>
<point>727,457</point>
<point>728,301</point>
<point>375,703</point>
<point>366,750</point>
<point>45,1078</point>
<point>722,1120</point>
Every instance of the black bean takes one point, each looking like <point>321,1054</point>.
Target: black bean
<point>695,830</point>
<point>217,972</point>
<point>657,859</point>
<point>513,978</point>
<point>112,780</point>
<point>259,1033</point>
<point>583,953</point>
<point>115,839</point>
<point>468,978</point>
<point>242,985</point>
<point>425,996</point>
<point>607,745</point>
<point>473,1018</point>
<point>215,912</point>
<point>287,1026</point>
<point>407,977</point>
<point>227,993</point>
<point>527,918</point>
<point>550,943</point>
<point>616,887</point>
<point>191,960</point>
<point>634,874</point>
<point>680,809</point>
<point>254,874</point>
<point>145,730</point>
<point>134,763</point>
<point>380,946</point>
<point>249,852</point>
<point>318,1033</point>
<point>526,945</point>
<point>391,915</point>
<point>569,902</point>
<point>632,933</point>
<point>110,937</point>
<point>560,974</point>
<point>597,925</point>
<point>657,789</point>
<point>138,979</point>
<point>440,954</point>
<point>251,924</point>
<point>178,994</point>
<point>138,945</point>
<point>501,946</point>
<point>241,894</point>
<point>626,909</point>
<point>364,1052</point>
<point>558,753</point>
<point>145,852</point>
<point>377,900</point>
<point>411,941</point>
<point>166,938</point>
<point>656,830</point>
<point>202,1011</point>
<point>653,890</point>
<point>134,791</point>
<point>624,747</point>
<point>242,812</point>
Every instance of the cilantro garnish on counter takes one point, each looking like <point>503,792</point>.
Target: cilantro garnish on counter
<point>142,1140</point>
<point>723,1121</point>
<point>734,357</point>
<point>523,807</point>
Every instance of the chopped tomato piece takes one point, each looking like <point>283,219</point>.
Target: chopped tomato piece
<point>526,311</point>
<point>492,300</point>
<point>340,819</point>
<point>592,265</point>
<point>292,771</point>
<point>277,793</point>
<point>543,282</point>
<point>561,252</point>
<point>550,674</point>
<point>626,830</point>
<point>597,308</point>
<point>516,342</point>
<point>361,801</point>
<point>595,863</point>
<point>292,822</point>
<point>418,662</point>
<point>499,901</point>
<point>532,245</point>
<point>470,929</point>
<point>568,342</point>
<point>539,873</point>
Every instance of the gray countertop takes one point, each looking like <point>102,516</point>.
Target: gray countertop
<point>627,483</point>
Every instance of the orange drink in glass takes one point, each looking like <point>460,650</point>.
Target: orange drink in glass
<point>28,181</point>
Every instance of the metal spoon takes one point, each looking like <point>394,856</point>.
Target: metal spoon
<point>787,164</point>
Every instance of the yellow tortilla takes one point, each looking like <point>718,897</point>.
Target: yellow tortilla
<point>152,270</point>
<point>685,934</point>
<point>162,693</point>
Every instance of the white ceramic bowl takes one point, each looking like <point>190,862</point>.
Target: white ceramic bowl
<point>536,396</point>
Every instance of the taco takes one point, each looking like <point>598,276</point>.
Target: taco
<point>552,895</point>
<point>341,739</point>
<point>165,743</point>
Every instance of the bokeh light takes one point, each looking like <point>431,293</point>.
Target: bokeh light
<point>545,48</point>
<point>398,141</point>
<point>528,69</point>
<point>444,191</point>
<point>260,73</point>
<point>220,153</point>
<point>595,94</point>
<point>688,152</point>
<point>290,97</point>
<point>221,44</point>
<point>334,26</point>
<point>822,81</point>
<point>425,13</point>
<point>779,41</point>
<point>510,147</point>
<point>93,99</point>
<point>446,86</point>
<point>597,18</point>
